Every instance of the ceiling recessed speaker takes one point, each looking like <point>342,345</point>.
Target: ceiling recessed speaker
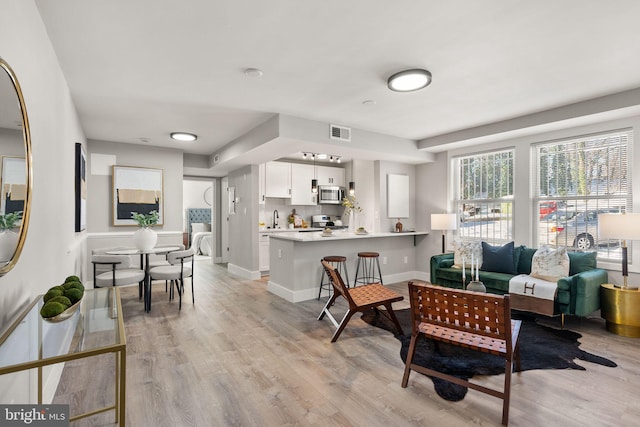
<point>340,133</point>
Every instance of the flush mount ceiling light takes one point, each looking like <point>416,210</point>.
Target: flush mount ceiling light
<point>253,72</point>
<point>409,80</point>
<point>183,136</point>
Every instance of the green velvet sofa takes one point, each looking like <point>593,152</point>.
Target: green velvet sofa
<point>578,293</point>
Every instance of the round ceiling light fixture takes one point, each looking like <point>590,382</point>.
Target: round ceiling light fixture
<point>409,80</point>
<point>184,136</point>
<point>253,72</point>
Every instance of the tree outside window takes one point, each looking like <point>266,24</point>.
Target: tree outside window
<point>484,196</point>
<point>576,180</point>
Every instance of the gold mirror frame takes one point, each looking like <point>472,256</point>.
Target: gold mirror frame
<point>26,135</point>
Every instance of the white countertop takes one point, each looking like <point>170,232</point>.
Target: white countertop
<point>340,235</point>
<point>287,230</point>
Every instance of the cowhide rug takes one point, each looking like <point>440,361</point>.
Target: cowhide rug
<point>541,347</point>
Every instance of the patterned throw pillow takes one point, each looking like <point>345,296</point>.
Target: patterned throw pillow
<point>550,264</point>
<point>465,249</point>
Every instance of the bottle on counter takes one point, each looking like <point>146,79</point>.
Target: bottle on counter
<point>398,226</point>
<point>294,220</point>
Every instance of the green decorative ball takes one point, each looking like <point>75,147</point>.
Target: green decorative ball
<point>62,300</point>
<point>76,285</point>
<point>72,279</point>
<point>51,309</point>
<point>51,293</point>
<point>74,294</point>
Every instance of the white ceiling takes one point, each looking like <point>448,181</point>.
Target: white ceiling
<point>142,69</point>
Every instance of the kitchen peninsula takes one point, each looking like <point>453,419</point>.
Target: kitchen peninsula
<point>295,269</point>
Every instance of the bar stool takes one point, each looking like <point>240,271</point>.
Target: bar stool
<point>340,263</point>
<point>368,261</point>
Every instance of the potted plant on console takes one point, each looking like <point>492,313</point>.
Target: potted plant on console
<point>8,237</point>
<point>145,238</point>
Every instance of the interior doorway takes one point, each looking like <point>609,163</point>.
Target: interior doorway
<point>199,216</point>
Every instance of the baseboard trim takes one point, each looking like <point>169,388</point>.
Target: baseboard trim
<point>243,272</point>
<point>292,296</point>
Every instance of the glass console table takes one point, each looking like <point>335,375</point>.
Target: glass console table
<point>95,328</point>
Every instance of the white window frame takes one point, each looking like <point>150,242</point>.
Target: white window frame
<point>602,197</point>
<point>488,217</point>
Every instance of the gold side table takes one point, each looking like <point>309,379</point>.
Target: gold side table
<point>96,328</point>
<point>621,309</point>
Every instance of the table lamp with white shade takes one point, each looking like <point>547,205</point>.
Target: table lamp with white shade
<point>444,222</point>
<point>620,226</point>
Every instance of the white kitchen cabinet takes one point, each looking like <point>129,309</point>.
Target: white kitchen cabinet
<point>262,184</point>
<point>301,176</point>
<point>278,179</point>
<point>263,252</point>
<point>328,175</point>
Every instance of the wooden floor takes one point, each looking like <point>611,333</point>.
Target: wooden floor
<point>243,357</point>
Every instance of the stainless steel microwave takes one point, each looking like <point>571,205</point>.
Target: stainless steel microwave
<point>330,195</point>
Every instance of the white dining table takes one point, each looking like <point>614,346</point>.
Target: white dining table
<point>144,260</point>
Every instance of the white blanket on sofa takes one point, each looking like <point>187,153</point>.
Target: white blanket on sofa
<point>531,294</point>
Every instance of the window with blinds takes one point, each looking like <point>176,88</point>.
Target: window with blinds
<point>577,179</point>
<point>484,196</point>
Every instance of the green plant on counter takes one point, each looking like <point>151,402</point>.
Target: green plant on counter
<point>9,221</point>
<point>147,220</point>
<point>351,205</point>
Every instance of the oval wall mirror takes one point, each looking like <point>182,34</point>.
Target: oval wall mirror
<point>15,169</point>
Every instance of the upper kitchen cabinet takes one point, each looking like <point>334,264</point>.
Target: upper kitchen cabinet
<point>301,176</point>
<point>278,180</point>
<point>328,175</point>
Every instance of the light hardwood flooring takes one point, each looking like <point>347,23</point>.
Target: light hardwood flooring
<point>244,357</point>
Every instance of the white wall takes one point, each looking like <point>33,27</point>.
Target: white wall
<point>52,249</point>
<point>243,225</point>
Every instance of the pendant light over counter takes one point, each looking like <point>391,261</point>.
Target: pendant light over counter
<point>314,181</point>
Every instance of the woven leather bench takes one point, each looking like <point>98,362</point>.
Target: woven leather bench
<point>473,320</point>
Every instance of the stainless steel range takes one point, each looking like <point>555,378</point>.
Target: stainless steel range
<point>325,221</point>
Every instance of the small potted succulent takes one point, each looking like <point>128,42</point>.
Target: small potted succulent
<point>8,237</point>
<point>145,238</point>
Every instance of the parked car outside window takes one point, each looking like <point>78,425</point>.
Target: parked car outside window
<point>547,208</point>
<point>579,231</point>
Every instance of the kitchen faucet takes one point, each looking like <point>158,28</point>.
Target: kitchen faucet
<point>275,218</point>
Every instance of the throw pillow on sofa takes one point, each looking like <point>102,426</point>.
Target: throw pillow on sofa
<point>550,264</point>
<point>582,261</point>
<point>498,259</point>
<point>464,250</point>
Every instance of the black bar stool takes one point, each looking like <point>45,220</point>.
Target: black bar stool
<point>340,263</point>
<point>366,272</point>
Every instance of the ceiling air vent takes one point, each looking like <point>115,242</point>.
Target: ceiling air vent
<point>340,133</point>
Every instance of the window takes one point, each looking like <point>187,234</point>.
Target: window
<point>484,196</point>
<point>576,180</point>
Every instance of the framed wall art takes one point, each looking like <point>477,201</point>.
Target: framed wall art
<point>81,188</point>
<point>138,190</point>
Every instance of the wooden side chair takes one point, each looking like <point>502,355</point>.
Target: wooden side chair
<point>474,320</point>
<point>360,299</point>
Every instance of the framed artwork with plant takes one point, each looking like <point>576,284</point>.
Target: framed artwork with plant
<point>81,188</point>
<point>137,190</point>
